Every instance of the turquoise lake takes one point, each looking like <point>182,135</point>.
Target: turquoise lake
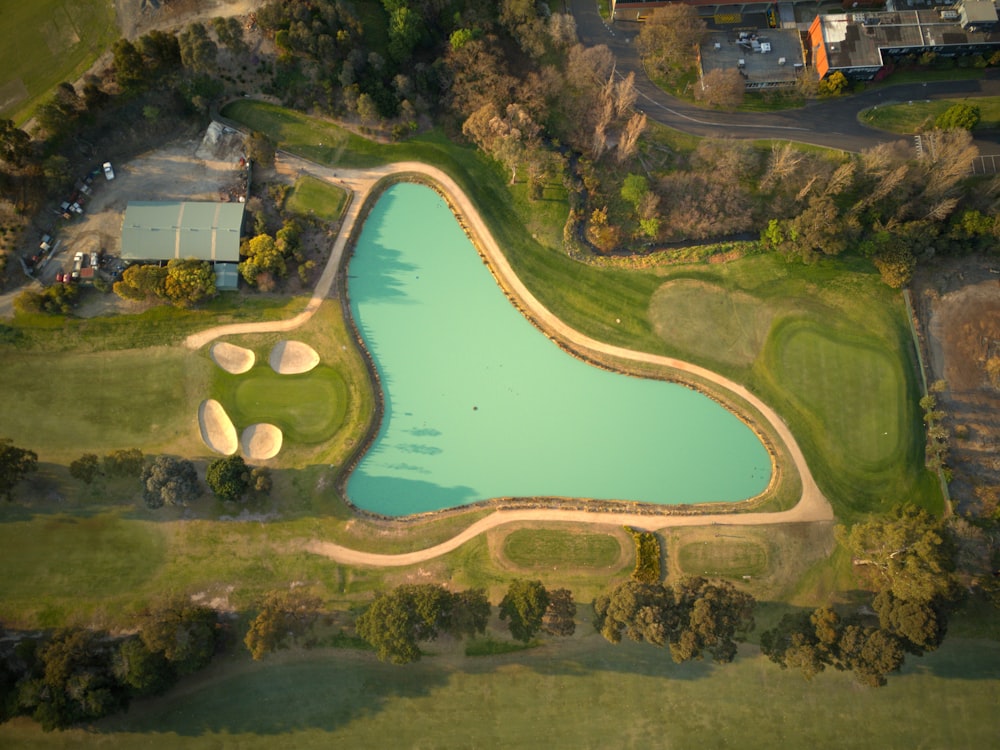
<point>480,404</point>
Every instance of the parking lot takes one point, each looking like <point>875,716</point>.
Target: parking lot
<point>193,170</point>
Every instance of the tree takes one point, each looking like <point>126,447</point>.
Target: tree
<point>560,614</point>
<point>871,653</point>
<point>280,616</point>
<point>169,480</point>
<point>262,256</point>
<point>396,621</point>
<point>635,187</point>
<point>76,683</point>
<point>198,51</point>
<point>15,464</point>
<point>920,625</point>
<point>524,605</point>
<point>183,632</point>
<point>85,468</point>
<point>962,116</point>
<point>189,281</point>
<point>260,149</point>
<point>124,463</point>
<point>834,84</point>
<point>228,477</point>
<point>14,143</point>
<point>470,613</point>
<point>143,671</point>
<point>692,617</point>
<point>669,39</point>
<point>142,282</point>
<point>130,68</point>
<point>721,87</point>
<point>895,265</point>
<point>907,553</point>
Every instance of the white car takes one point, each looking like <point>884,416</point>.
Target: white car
<point>109,171</point>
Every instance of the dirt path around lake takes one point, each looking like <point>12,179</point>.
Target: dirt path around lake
<point>812,506</point>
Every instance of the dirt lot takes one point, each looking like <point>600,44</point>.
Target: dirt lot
<point>191,170</point>
<point>958,305</point>
<point>136,17</point>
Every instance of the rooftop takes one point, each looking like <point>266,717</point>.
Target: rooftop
<point>768,57</point>
<point>164,230</point>
<point>855,39</point>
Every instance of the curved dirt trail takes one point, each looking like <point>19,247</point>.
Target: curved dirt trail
<point>812,506</point>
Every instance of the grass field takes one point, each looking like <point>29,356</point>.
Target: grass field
<point>313,197</point>
<point>63,404</point>
<point>546,548</point>
<point>577,692</point>
<point>308,408</point>
<point>45,42</point>
<point>912,117</point>
<point>724,558</point>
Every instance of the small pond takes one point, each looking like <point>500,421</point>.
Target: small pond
<point>480,404</point>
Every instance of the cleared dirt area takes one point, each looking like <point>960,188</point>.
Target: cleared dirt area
<point>958,306</point>
<point>136,17</point>
<point>203,169</point>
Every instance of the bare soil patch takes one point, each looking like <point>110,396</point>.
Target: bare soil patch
<point>231,358</point>
<point>958,307</point>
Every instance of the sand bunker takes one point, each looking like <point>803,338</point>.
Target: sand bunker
<point>293,357</point>
<point>231,358</point>
<point>261,441</point>
<point>217,428</point>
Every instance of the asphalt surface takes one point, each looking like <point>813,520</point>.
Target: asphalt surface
<point>832,123</point>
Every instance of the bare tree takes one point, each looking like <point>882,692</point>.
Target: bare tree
<point>586,66</point>
<point>783,162</point>
<point>723,88</point>
<point>841,179</point>
<point>625,95</point>
<point>629,137</point>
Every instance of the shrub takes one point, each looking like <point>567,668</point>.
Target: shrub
<point>647,556</point>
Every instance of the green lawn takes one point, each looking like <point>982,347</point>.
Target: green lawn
<point>63,404</point>
<point>912,117</point>
<point>45,42</point>
<point>580,692</point>
<point>308,408</point>
<point>727,558</point>
<point>313,197</point>
<point>547,548</point>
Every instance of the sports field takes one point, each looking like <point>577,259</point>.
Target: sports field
<point>45,42</point>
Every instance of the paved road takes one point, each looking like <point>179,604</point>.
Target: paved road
<point>832,123</point>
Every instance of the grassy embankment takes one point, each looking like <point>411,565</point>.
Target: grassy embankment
<point>916,116</point>
<point>45,42</point>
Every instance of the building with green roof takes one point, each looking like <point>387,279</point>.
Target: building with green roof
<point>159,231</point>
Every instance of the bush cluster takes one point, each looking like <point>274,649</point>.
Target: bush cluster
<point>647,556</point>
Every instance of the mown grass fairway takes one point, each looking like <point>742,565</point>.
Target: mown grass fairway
<point>912,117</point>
<point>710,321</point>
<point>313,197</point>
<point>47,41</point>
<point>308,408</point>
<point>63,568</point>
<point>579,692</point>
<point>547,548</point>
<point>63,404</point>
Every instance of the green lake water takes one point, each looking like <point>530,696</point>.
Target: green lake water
<point>480,404</point>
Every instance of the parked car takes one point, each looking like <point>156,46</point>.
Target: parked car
<point>95,260</point>
<point>46,244</point>
<point>109,171</point>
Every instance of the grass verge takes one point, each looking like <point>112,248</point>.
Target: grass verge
<point>913,117</point>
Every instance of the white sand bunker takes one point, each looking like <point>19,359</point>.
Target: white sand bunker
<point>293,357</point>
<point>231,358</point>
<point>217,429</point>
<point>261,441</point>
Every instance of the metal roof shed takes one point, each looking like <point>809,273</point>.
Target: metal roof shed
<point>165,230</point>
<point>227,277</point>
